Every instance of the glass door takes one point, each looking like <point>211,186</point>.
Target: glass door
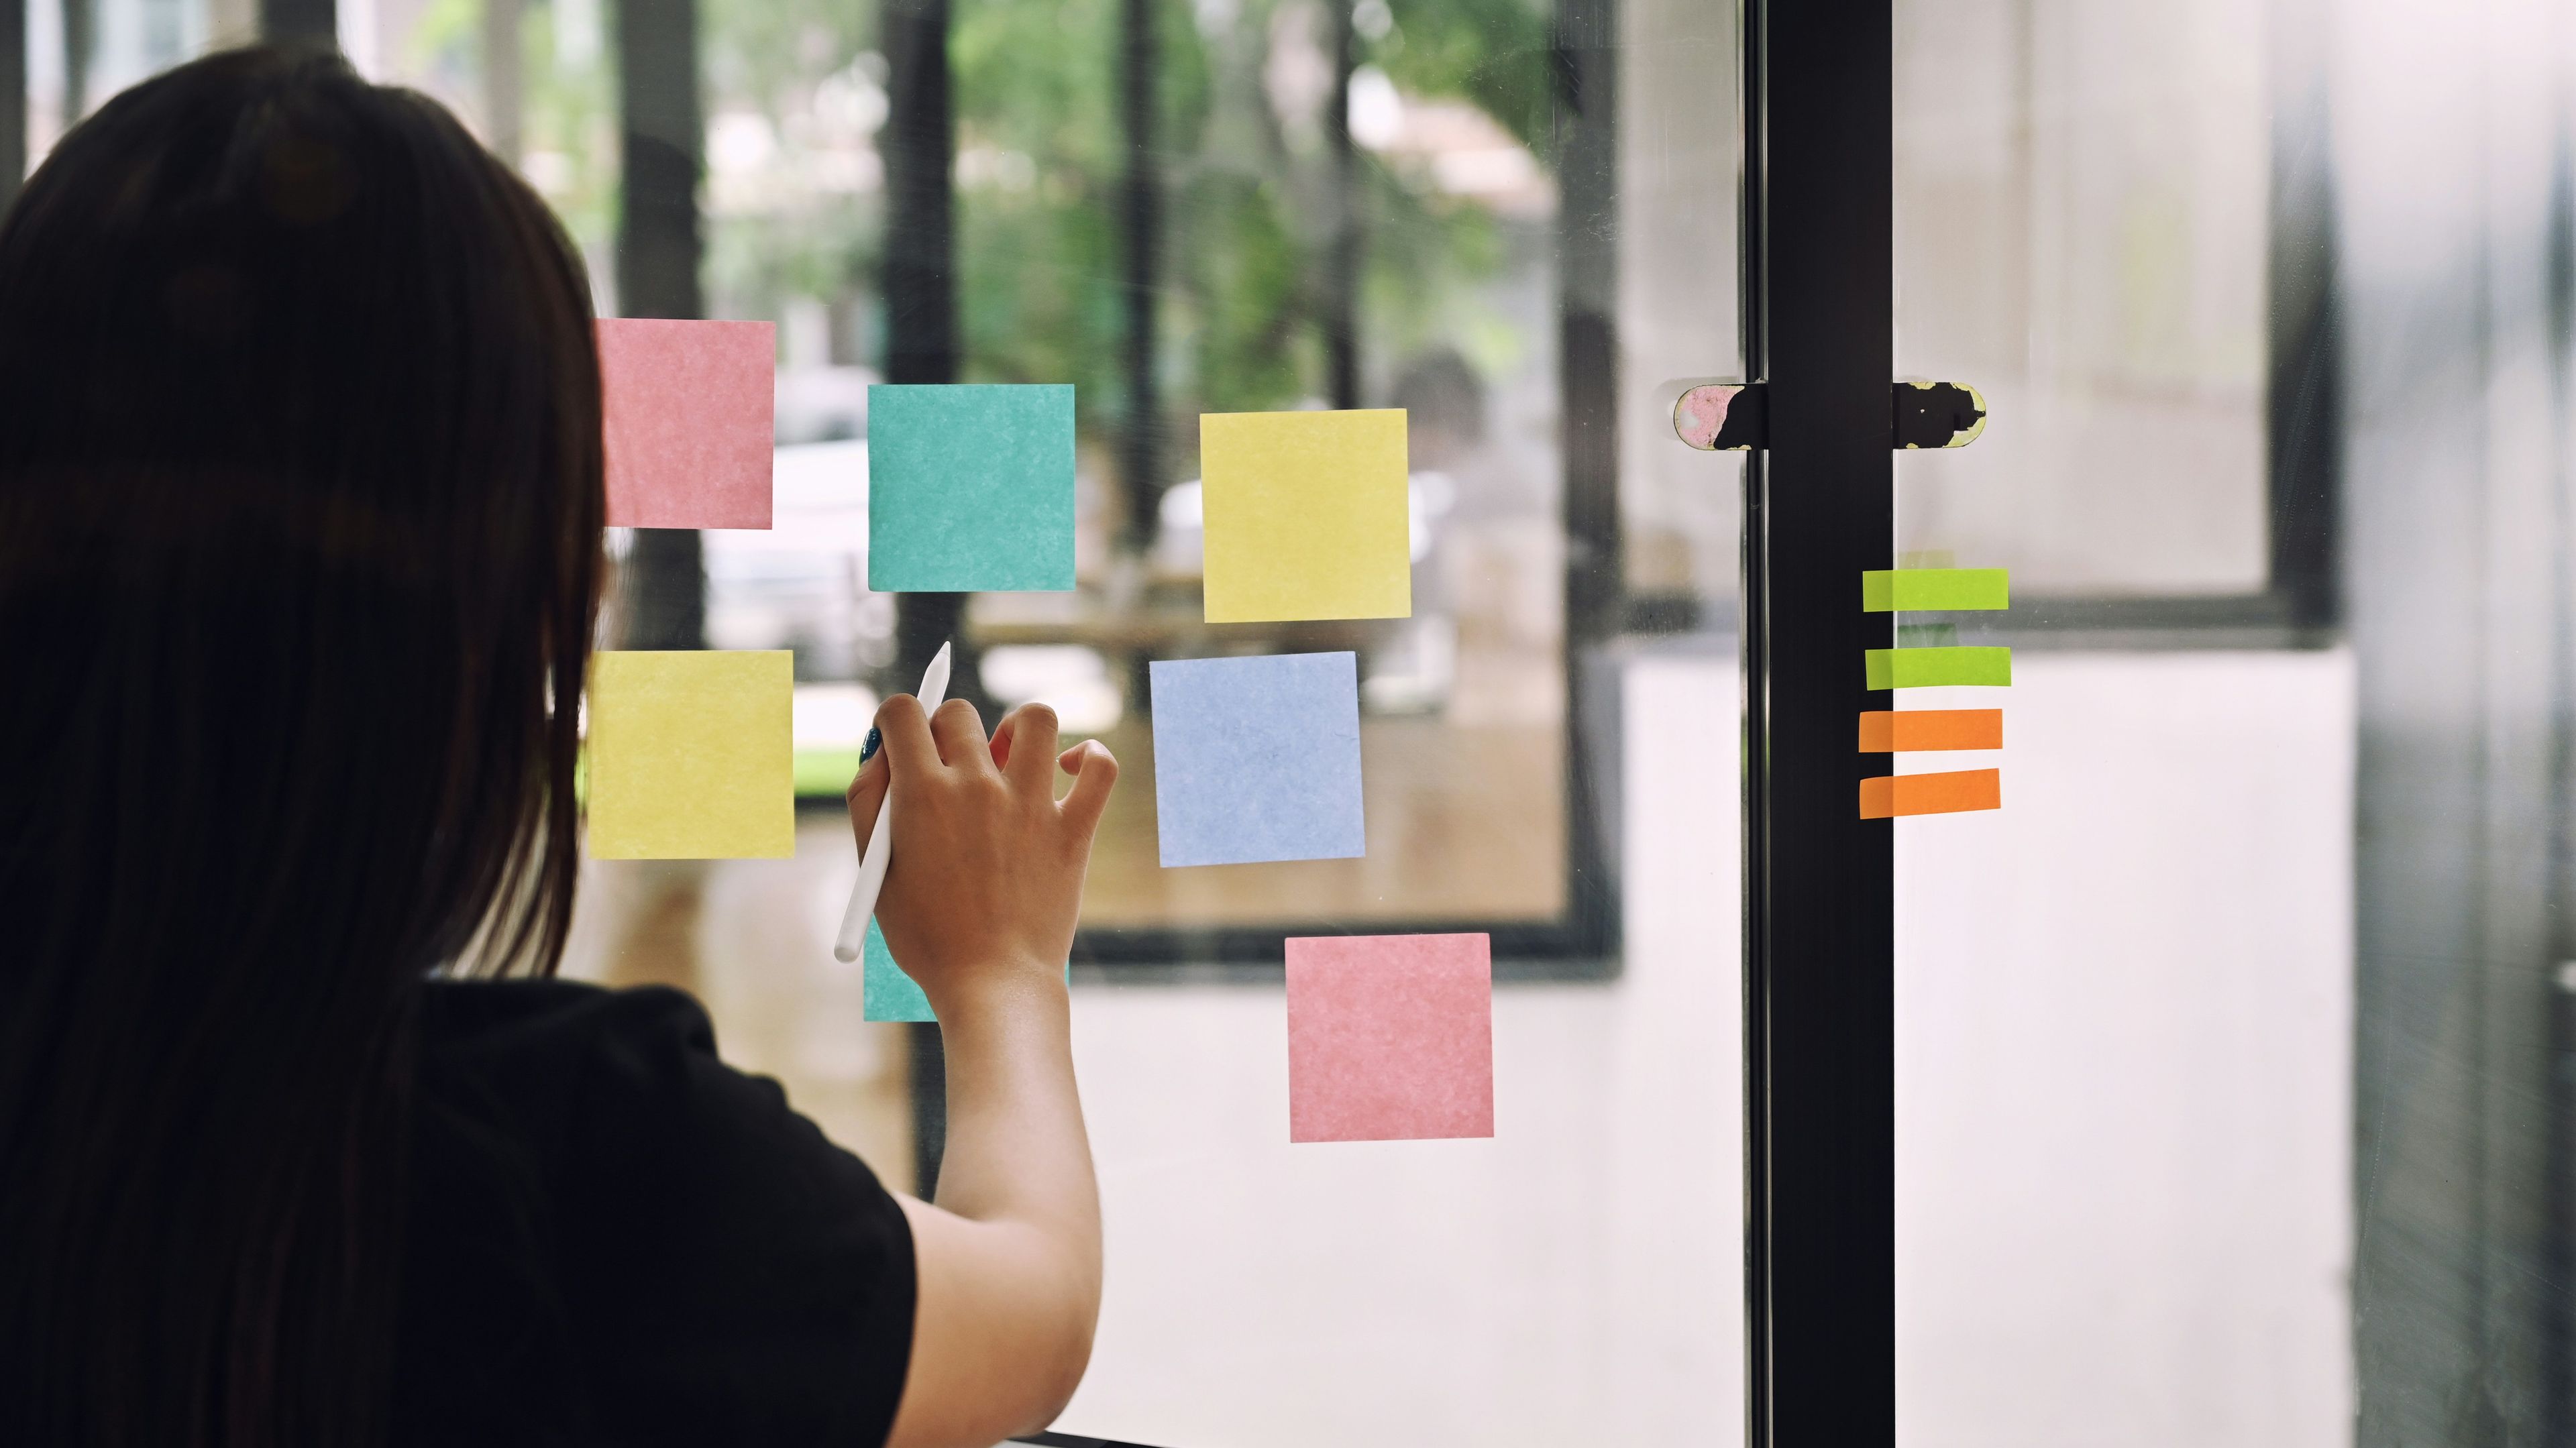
<point>1516,223</point>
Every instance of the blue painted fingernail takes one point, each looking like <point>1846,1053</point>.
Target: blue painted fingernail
<point>868,750</point>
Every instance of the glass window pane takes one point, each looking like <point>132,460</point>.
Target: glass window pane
<point>80,52</point>
<point>1529,235</point>
<point>2125,999</point>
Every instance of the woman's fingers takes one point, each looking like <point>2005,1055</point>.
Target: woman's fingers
<point>1031,728</point>
<point>1094,770</point>
<point>866,793</point>
<point>908,745</point>
<point>1002,736</point>
<point>959,731</point>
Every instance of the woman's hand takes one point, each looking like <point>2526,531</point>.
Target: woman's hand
<point>979,905</point>
<point>985,880</point>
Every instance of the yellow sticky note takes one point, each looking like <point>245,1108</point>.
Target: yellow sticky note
<point>1305,515</point>
<point>692,756</point>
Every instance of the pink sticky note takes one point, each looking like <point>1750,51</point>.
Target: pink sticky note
<point>689,408</point>
<point>1390,1037</point>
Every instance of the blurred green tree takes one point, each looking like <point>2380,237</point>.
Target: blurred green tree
<point>794,96</point>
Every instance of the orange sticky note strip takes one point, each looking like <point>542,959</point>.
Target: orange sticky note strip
<point>1888,731</point>
<point>1914,794</point>
<point>687,407</point>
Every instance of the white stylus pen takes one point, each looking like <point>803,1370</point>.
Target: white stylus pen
<point>872,865</point>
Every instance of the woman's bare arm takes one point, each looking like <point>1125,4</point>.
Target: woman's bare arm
<point>979,905</point>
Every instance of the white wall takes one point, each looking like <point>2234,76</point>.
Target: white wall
<point>2124,1065</point>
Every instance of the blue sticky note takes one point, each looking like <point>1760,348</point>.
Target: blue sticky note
<point>1257,759</point>
<point>970,488</point>
<point>885,992</point>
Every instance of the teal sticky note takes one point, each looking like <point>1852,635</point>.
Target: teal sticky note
<point>970,488</point>
<point>885,992</point>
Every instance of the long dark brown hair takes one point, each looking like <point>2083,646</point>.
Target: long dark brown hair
<point>299,558</point>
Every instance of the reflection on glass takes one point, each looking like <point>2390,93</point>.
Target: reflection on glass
<point>79,54</point>
<point>2080,233</point>
<point>2124,1000</point>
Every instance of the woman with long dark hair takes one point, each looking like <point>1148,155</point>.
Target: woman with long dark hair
<point>300,509</point>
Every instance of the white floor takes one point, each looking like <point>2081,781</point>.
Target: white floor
<point>2123,1122</point>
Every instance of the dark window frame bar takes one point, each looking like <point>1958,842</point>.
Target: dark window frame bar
<point>311,22</point>
<point>13,99</point>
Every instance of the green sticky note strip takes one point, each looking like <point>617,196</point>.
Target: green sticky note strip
<point>886,993</point>
<point>690,755</point>
<point>1921,668</point>
<point>1889,590</point>
<point>970,488</point>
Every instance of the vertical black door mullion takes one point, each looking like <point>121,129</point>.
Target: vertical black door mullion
<point>13,99</point>
<point>1819,909</point>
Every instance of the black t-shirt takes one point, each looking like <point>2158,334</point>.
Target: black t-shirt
<point>617,1239</point>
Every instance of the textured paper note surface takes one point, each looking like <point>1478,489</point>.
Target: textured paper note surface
<point>1948,793</point>
<point>1883,590</point>
<point>688,411</point>
<point>1884,731</point>
<point>691,755</point>
<point>1257,759</point>
<point>970,488</point>
<point>885,992</point>
<point>1306,515</point>
<point>1390,1037</point>
<point>1923,668</point>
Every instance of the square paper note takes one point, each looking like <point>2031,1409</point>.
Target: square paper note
<point>1257,759</point>
<point>885,992</point>
<point>970,488</point>
<point>691,756</point>
<point>1306,515</point>
<point>1390,1037</point>
<point>689,408</point>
